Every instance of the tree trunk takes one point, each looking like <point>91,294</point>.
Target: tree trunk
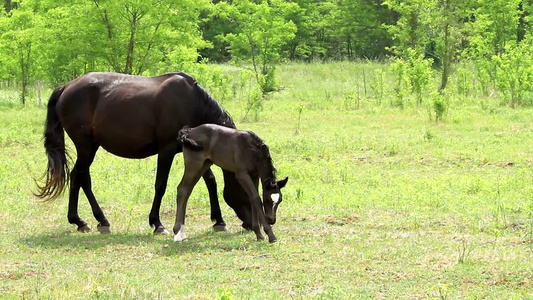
<point>7,5</point>
<point>128,69</point>
<point>522,24</point>
<point>25,69</point>
<point>446,60</point>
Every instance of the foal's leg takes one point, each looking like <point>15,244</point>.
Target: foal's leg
<point>193,171</point>
<point>258,215</point>
<point>81,177</point>
<point>164,162</point>
<point>216,214</point>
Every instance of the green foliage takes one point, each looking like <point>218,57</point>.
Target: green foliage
<point>402,84</point>
<point>254,105</point>
<point>55,41</point>
<point>412,28</point>
<point>20,35</point>
<point>378,85</point>
<point>413,76</point>
<point>438,106</point>
<point>225,294</point>
<point>262,31</point>
<point>419,74</point>
<point>515,75</point>
<point>464,79</point>
<point>134,37</point>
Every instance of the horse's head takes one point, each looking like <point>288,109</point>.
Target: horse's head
<point>272,197</point>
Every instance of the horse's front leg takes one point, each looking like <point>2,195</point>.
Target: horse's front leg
<point>164,162</point>
<point>258,215</point>
<point>256,227</point>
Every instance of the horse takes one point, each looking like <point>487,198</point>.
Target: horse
<point>241,152</point>
<point>131,117</point>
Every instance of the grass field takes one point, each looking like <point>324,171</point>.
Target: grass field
<point>382,203</point>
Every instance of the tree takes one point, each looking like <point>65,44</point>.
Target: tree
<point>360,26</point>
<point>261,32</point>
<point>20,37</point>
<point>139,34</point>
<point>434,22</point>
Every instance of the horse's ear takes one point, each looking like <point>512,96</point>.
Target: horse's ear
<point>283,182</point>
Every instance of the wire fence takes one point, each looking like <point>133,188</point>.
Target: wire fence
<point>36,93</point>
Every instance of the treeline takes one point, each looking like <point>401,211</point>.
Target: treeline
<point>56,41</point>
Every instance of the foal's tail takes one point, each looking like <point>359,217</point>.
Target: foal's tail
<point>183,137</point>
<point>57,173</point>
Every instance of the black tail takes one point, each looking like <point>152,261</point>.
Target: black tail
<point>183,137</point>
<point>57,173</point>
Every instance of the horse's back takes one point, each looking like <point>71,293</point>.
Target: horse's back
<point>227,148</point>
<point>130,116</point>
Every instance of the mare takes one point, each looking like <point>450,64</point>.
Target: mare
<point>238,151</point>
<point>132,117</point>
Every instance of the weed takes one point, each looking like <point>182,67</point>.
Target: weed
<point>254,106</point>
<point>464,248</point>
<point>353,99</point>
<point>439,106</point>
<point>299,120</point>
<point>225,294</point>
<point>378,86</point>
<point>402,85</point>
<point>428,135</point>
<point>442,291</point>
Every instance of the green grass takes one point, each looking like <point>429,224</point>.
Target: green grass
<point>381,203</point>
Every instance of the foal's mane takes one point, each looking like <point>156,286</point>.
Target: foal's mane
<point>208,110</point>
<point>262,154</point>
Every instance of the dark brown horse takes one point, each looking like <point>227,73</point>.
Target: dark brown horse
<point>132,117</point>
<point>238,151</point>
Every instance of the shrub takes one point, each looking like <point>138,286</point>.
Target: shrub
<point>515,75</point>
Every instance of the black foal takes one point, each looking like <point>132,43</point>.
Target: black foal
<point>238,151</point>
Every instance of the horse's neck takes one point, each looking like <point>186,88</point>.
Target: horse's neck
<point>266,176</point>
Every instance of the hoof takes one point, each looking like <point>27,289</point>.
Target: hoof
<point>180,236</point>
<point>247,226</point>
<point>161,230</point>
<point>220,227</point>
<point>103,229</point>
<point>84,228</point>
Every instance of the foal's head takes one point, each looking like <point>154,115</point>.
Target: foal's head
<point>272,197</point>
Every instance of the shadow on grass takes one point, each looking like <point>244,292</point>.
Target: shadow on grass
<point>215,242</point>
<point>207,241</point>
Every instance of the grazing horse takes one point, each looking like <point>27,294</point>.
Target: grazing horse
<point>238,151</point>
<point>132,117</point>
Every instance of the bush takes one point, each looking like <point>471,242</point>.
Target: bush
<point>515,74</point>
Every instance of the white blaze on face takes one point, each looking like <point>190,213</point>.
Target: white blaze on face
<point>275,198</point>
<point>180,236</point>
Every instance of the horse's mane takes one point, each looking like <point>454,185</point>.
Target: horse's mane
<point>208,110</point>
<point>262,154</point>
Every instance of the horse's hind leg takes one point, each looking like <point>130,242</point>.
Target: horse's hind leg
<point>164,163</point>
<point>193,171</point>
<point>216,214</point>
<point>81,177</point>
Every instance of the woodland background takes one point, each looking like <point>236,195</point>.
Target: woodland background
<point>488,43</point>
